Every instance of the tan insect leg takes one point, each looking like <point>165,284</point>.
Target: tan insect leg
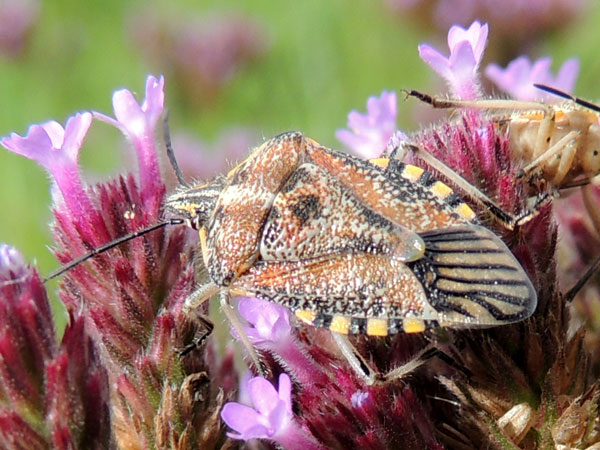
<point>199,296</point>
<point>234,320</point>
<point>408,367</point>
<point>544,134</point>
<point>509,220</point>
<point>563,144</point>
<point>497,104</point>
<point>566,161</point>
<point>371,377</point>
<point>354,358</point>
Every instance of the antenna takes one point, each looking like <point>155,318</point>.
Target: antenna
<point>171,152</point>
<point>110,245</point>
<point>135,234</point>
<point>563,94</point>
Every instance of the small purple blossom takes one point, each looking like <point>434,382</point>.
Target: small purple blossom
<point>460,68</point>
<point>56,149</point>
<point>269,321</point>
<point>270,329</point>
<point>518,77</point>
<point>17,20</point>
<point>138,123</point>
<point>12,264</point>
<point>369,133</point>
<point>271,418</point>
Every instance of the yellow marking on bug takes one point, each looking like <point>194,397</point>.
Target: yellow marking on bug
<point>377,327</point>
<point>306,316</point>
<point>340,324</point>
<point>203,245</point>
<point>380,162</point>
<point>465,211</point>
<point>441,190</point>
<point>412,173</point>
<point>240,291</point>
<point>411,325</point>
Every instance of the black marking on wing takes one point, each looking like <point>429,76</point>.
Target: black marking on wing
<point>471,277</point>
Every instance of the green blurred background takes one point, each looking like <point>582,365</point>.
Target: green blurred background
<point>319,59</point>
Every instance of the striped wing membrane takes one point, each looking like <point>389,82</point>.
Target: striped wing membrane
<point>472,279</point>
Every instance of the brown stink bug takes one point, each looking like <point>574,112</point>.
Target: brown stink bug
<point>348,244</point>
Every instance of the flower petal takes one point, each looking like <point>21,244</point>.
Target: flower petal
<point>435,59</point>
<point>75,131</point>
<point>155,98</point>
<point>239,417</point>
<point>263,395</point>
<point>128,112</point>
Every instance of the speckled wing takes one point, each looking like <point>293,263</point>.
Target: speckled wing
<point>315,215</point>
<point>467,278</point>
<point>324,252</point>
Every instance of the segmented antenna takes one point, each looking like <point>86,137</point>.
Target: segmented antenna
<point>170,152</point>
<point>110,245</point>
<point>563,94</point>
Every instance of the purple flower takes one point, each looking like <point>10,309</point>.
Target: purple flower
<point>203,53</point>
<point>520,75</point>
<point>57,149</point>
<point>269,329</point>
<point>271,418</point>
<point>138,123</point>
<point>369,133</point>
<point>17,19</point>
<point>460,68</point>
<point>269,321</point>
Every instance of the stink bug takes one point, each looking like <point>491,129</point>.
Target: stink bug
<point>356,246</point>
<point>360,247</point>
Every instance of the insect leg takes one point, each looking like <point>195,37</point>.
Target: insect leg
<point>355,359</point>
<point>234,320</point>
<point>567,144</point>
<point>201,336</point>
<point>199,296</point>
<point>571,293</point>
<point>497,104</point>
<point>509,220</point>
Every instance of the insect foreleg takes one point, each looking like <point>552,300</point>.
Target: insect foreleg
<point>491,104</point>
<point>234,320</point>
<point>199,296</point>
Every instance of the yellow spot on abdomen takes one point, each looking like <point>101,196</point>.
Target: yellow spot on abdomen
<point>340,324</point>
<point>306,316</point>
<point>377,327</point>
<point>441,190</point>
<point>413,325</point>
<point>380,162</point>
<point>412,173</point>
<point>465,211</point>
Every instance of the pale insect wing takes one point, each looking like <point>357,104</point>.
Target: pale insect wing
<point>472,279</point>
